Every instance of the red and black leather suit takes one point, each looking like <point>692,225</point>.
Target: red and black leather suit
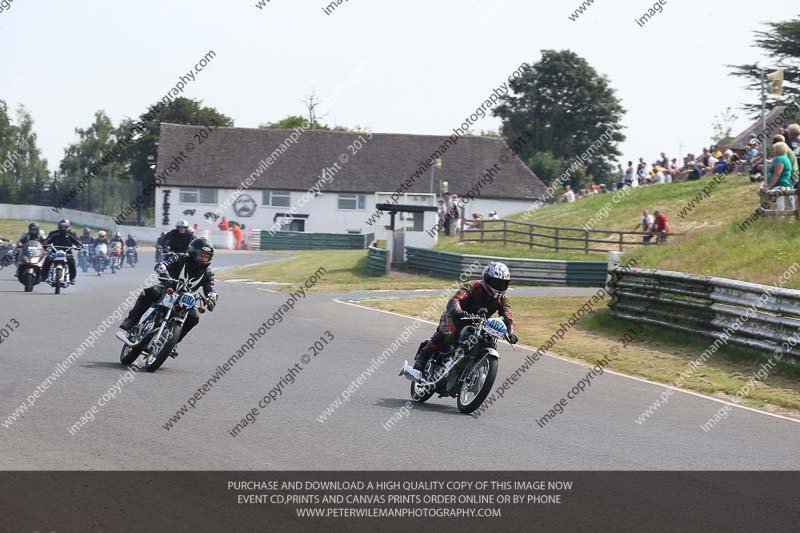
<point>467,300</point>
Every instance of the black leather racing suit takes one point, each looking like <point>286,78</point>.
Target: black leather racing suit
<point>182,268</point>
<point>62,238</point>
<point>178,242</point>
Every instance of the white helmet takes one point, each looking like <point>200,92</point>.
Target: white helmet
<point>496,278</point>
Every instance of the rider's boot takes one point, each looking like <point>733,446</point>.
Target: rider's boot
<point>135,314</point>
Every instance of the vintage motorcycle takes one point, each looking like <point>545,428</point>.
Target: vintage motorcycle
<point>100,258</point>
<point>29,265</point>
<point>116,256</point>
<point>83,258</point>
<point>130,256</point>
<point>58,277</point>
<point>160,326</point>
<point>467,370</point>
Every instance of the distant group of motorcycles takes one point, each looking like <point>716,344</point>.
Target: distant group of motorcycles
<point>50,260</point>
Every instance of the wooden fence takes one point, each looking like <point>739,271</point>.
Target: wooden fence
<point>554,237</point>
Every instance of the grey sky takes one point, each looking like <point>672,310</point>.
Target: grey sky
<point>405,67</point>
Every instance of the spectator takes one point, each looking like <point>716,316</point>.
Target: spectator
<point>477,222</point>
<point>674,170</point>
<point>794,138</point>
<point>238,234</point>
<point>195,228</point>
<point>569,195</point>
<point>792,159</point>
<point>721,167</point>
<point>705,158</point>
<point>696,172</point>
<point>779,177</point>
<point>664,161</point>
<point>646,223</point>
<point>641,171</point>
<point>629,175</point>
<point>712,163</point>
<point>493,215</point>
<point>223,224</point>
<point>661,227</point>
<point>620,175</point>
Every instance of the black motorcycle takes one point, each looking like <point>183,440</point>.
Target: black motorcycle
<point>29,265</point>
<point>467,370</point>
<point>58,276</point>
<point>83,258</point>
<point>160,327</point>
<point>131,256</point>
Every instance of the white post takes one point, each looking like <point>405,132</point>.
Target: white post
<point>614,259</point>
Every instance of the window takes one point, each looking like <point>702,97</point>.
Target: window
<point>275,198</point>
<point>208,196</point>
<point>188,196</point>
<point>352,201</point>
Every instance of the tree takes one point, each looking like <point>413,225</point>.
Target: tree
<point>94,143</point>
<point>566,106</point>
<point>723,127</point>
<point>139,156</point>
<point>24,178</point>
<point>781,43</point>
<point>296,121</point>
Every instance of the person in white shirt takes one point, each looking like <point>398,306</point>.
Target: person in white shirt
<point>493,215</point>
<point>569,195</point>
<point>646,223</point>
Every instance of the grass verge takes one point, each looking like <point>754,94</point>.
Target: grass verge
<point>346,271</point>
<point>656,355</point>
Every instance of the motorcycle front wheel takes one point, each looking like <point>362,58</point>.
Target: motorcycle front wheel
<point>476,386</point>
<point>28,282</point>
<point>57,277</point>
<point>165,343</point>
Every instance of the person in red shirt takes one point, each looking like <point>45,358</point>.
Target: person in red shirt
<point>223,224</point>
<point>661,227</point>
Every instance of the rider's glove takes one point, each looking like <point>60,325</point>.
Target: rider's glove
<point>512,338</point>
<point>459,314</point>
<point>211,301</point>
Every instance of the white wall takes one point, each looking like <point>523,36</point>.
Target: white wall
<point>324,213</point>
<point>504,208</point>
<point>46,214</point>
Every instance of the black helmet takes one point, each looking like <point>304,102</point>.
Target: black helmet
<point>33,228</point>
<point>63,224</point>
<point>201,245</point>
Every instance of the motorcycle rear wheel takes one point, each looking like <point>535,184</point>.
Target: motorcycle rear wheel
<point>129,354</point>
<point>477,385</point>
<point>419,393</point>
<point>154,361</point>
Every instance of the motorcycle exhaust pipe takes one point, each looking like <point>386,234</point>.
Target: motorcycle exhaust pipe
<point>410,372</point>
<point>121,336</point>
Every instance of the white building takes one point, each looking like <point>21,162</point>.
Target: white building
<point>329,182</point>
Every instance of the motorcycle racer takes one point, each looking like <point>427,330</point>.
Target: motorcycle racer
<point>193,268</point>
<point>488,293</point>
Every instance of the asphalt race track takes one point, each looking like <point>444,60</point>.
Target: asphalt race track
<point>596,432</point>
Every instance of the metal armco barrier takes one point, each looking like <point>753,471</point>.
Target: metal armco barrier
<point>297,240</point>
<point>377,261</point>
<point>525,271</point>
<point>707,306</point>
